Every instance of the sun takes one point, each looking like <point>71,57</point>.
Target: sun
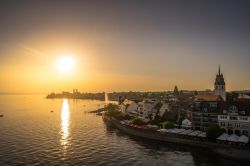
<point>65,64</point>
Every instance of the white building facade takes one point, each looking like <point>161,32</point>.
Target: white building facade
<point>146,108</point>
<point>235,120</point>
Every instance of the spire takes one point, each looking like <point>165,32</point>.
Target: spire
<point>219,69</point>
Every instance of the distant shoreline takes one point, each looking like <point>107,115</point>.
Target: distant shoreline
<point>77,95</point>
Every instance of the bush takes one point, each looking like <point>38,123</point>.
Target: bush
<point>138,121</point>
<point>117,114</point>
<point>168,125</point>
<point>126,116</point>
<point>213,132</point>
<point>111,113</point>
<point>155,122</point>
<point>111,106</point>
<point>121,116</point>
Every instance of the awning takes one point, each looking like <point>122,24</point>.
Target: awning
<point>163,130</point>
<point>223,137</point>
<point>195,133</point>
<point>175,130</point>
<point>202,134</point>
<point>243,139</point>
<point>233,138</point>
<point>186,132</point>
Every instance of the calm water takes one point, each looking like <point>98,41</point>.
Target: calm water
<point>32,135</point>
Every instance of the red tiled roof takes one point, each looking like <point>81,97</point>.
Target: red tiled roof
<point>208,97</point>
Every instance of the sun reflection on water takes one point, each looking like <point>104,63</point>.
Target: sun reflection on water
<point>65,122</point>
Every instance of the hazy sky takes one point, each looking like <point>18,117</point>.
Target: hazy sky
<point>123,45</point>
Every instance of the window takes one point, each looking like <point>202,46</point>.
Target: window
<point>223,117</point>
<point>233,118</point>
<point>237,125</point>
<point>242,112</point>
<point>222,124</point>
<point>197,105</point>
<point>233,109</point>
<point>197,114</point>
<point>213,105</point>
<point>243,118</point>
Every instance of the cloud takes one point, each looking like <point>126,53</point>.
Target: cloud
<point>32,51</point>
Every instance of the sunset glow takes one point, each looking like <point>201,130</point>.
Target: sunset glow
<point>66,64</point>
<point>96,48</point>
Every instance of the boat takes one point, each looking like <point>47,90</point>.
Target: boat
<point>1,115</point>
<point>51,111</point>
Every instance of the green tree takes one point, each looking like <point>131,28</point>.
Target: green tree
<point>195,92</point>
<point>213,132</point>
<point>114,113</point>
<point>138,121</point>
<point>167,125</point>
<point>176,91</point>
<point>181,92</point>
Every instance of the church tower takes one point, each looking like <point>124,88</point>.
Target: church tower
<point>220,86</point>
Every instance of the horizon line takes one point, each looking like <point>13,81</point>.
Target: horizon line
<point>42,93</point>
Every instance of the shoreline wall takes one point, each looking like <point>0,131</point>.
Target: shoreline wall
<point>225,150</point>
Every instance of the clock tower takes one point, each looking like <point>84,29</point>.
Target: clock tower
<point>220,86</point>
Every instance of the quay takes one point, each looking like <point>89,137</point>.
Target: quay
<point>225,150</point>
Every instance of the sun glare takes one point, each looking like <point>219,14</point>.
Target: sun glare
<point>66,64</point>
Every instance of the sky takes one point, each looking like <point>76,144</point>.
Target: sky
<point>131,45</point>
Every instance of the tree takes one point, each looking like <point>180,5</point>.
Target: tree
<point>170,116</point>
<point>138,121</point>
<point>195,92</point>
<point>167,125</point>
<point>213,132</point>
<point>181,92</point>
<point>176,91</point>
<point>115,113</point>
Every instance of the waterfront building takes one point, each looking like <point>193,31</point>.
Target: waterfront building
<point>187,124</point>
<point>164,108</point>
<point>206,107</point>
<point>123,105</point>
<point>172,98</point>
<point>150,109</point>
<point>146,109</point>
<point>220,86</point>
<point>205,111</point>
<point>132,108</point>
<point>234,117</point>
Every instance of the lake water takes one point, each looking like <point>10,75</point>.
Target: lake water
<point>30,134</point>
